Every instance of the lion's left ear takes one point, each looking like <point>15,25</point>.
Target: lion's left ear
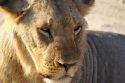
<point>12,8</point>
<point>84,6</point>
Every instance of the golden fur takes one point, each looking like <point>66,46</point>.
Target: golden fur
<point>30,56</point>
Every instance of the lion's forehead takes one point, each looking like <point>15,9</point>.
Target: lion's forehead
<point>61,11</point>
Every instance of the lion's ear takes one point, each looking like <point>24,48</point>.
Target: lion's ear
<point>84,6</point>
<point>12,8</point>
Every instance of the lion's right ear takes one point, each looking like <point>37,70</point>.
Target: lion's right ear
<point>84,6</point>
<point>12,8</point>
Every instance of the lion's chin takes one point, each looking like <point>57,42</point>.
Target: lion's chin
<point>56,76</point>
<point>63,79</point>
<point>59,75</point>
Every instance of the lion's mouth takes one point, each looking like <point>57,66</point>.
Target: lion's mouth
<point>65,76</point>
<point>58,77</point>
<point>63,79</point>
<point>58,73</point>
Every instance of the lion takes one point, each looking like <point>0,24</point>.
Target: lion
<point>45,41</point>
<point>42,40</point>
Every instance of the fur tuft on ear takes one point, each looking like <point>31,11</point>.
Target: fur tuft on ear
<point>84,6</point>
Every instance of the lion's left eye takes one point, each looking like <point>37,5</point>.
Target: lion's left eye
<point>77,30</point>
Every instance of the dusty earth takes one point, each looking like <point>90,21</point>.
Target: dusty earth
<point>107,15</point>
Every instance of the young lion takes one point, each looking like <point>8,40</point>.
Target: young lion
<point>44,41</point>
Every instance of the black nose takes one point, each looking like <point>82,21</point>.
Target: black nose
<point>66,66</point>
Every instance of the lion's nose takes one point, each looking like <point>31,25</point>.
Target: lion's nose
<point>66,66</point>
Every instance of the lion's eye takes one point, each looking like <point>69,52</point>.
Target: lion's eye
<point>45,31</point>
<point>77,30</point>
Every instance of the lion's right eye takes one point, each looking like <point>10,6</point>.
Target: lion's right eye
<point>45,31</point>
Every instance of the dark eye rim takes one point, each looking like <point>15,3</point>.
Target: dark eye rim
<point>78,27</point>
<point>46,30</point>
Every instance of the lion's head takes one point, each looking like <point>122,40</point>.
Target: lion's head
<point>47,34</point>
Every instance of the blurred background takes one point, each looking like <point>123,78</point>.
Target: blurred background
<point>108,15</point>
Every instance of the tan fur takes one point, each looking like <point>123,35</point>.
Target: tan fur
<point>30,56</point>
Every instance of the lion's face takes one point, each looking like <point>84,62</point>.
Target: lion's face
<point>52,33</point>
<point>54,39</point>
